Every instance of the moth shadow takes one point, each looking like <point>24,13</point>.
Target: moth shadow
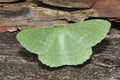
<point>28,56</point>
<point>115,25</point>
<point>101,47</point>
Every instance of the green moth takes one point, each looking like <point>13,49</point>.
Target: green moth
<point>64,44</point>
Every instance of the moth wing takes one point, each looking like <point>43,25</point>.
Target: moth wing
<point>36,40</point>
<point>88,33</point>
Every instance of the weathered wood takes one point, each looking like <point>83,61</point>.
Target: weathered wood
<point>3,1</point>
<point>105,8</point>
<point>16,63</point>
<point>12,19</point>
<point>29,13</point>
<point>108,8</point>
<point>27,23</point>
<point>70,3</point>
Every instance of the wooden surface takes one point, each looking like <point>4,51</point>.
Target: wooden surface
<point>107,8</point>
<point>16,63</point>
